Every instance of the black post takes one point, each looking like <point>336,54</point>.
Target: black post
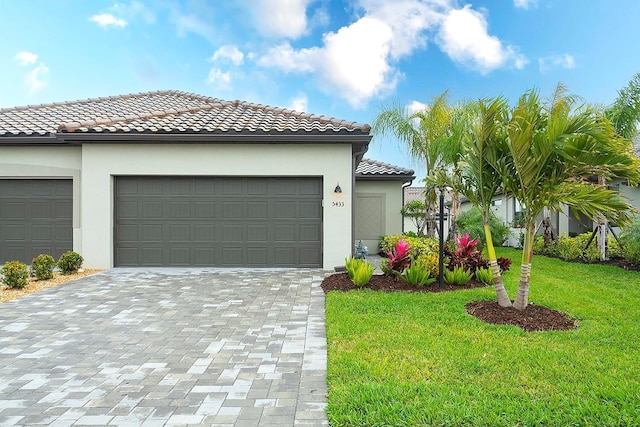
<point>441,249</point>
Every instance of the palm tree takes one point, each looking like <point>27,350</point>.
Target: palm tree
<point>551,154</point>
<point>480,181</point>
<point>419,132</point>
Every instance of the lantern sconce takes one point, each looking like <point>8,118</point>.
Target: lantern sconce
<point>338,189</point>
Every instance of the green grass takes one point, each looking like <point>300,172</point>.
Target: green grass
<point>418,359</point>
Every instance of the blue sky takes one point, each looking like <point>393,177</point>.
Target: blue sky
<point>345,59</point>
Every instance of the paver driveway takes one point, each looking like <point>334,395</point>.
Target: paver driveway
<point>137,347</point>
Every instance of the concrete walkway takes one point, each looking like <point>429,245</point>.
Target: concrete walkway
<point>152,347</point>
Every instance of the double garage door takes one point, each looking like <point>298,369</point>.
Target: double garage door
<point>35,218</point>
<point>218,221</point>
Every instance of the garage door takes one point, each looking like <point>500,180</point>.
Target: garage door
<point>218,221</point>
<point>35,218</point>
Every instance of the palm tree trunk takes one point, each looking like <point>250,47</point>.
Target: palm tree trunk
<point>522,299</point>
<point>501,292</point>
<point>455,208</point>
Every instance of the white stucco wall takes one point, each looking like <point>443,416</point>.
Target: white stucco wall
<point>392,191</point>
<point>47,162</point>
<point>101,162</point>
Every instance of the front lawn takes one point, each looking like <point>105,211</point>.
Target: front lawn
<point>398,359</point>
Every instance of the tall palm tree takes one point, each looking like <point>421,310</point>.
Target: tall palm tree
<point>480,181</point>
<point>420,132</point>
<point>551,153</point>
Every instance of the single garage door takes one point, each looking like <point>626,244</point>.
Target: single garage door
<point>218,221</point>
<point>35,218</point>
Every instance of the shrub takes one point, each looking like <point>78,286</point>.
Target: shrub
<point>359,271</point>
<point>417,274</point>
<point>484,275</point>
<point>458,276</point>
<point>42,266</point>
<point>466,255</point>
<point>417,245</point>
<point>430,262</point>
<point>630,239</point>
<point>398,259</point>
<point>573,248</point>
<point>504,264</point>
<point>70,262</point>
<point>470,221</point>
<point>15,274</point>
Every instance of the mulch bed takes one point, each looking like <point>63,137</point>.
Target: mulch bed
<point>533,318</point>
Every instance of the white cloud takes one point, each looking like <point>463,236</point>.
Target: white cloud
<point>353,63</point>
<point>219,79</point>
<point>228,52</point>
<point>415,106</point>
<point>464,37</point>
<point>299,102</point>
<point>26,58</point>
<point>556,61</point>
<point>106,20</point>
<point>33,79</point>
<point>280,18</point>
<point>408,20</point>
<point>524,4</point>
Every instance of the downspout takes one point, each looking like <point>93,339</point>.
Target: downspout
<point>405,185</point>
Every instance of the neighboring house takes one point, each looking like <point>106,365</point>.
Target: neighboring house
<point>178,179</point>
<point>379,189</point>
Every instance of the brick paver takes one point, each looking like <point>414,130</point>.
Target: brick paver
<point>153,347</point>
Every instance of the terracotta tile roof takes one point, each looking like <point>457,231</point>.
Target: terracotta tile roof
<point>165,112</point>
<point>413,193</point>
<point>369,167</point>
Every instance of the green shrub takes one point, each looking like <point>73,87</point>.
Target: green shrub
<point>42,266</point>
<point>360,271</point>
<point>573,248</point>
<point>458,276</point>
<point>630,238</point>
<point>15,274</point>
<point>470,221</point>
<point>484,275</point>
<point>430,262</point>
<point>418,245</point>
<point>417,274</point>
<point>568,248</point>
<point>70,262</point>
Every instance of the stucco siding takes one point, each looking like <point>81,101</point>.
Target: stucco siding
<point>101,162</point>
<point>391,193</point>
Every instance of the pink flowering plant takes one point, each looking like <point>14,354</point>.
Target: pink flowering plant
<point>398,259</point>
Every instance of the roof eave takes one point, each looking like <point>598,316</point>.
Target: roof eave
<point>384,177</point>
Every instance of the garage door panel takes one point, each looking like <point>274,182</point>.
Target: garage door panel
<point>152,209</point>
<point>220,221</point>
<point>13,210</point>
<point>257,210</point>
<point>151,233</point>
<point>257,233</point>
<point>285,210</point>
<point>309,233</point>
<point>205,210</point>
<point>205,233</point>
<point>35,217</point>
<point>180,209</point>
<point>179,233</point>
<point>232,233</point>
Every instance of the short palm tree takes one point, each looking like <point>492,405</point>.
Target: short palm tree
<point>480,181</point>
<point>551,154</point>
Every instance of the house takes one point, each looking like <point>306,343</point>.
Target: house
<point>177,179</point>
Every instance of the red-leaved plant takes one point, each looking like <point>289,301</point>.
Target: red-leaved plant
<point>466,255</point>
<point>398,259</point>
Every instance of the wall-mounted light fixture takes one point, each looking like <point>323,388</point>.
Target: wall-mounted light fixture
<point>338,189</point>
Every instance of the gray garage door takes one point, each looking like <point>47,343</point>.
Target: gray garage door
<point>218,221</point>
<point>35,218</point>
